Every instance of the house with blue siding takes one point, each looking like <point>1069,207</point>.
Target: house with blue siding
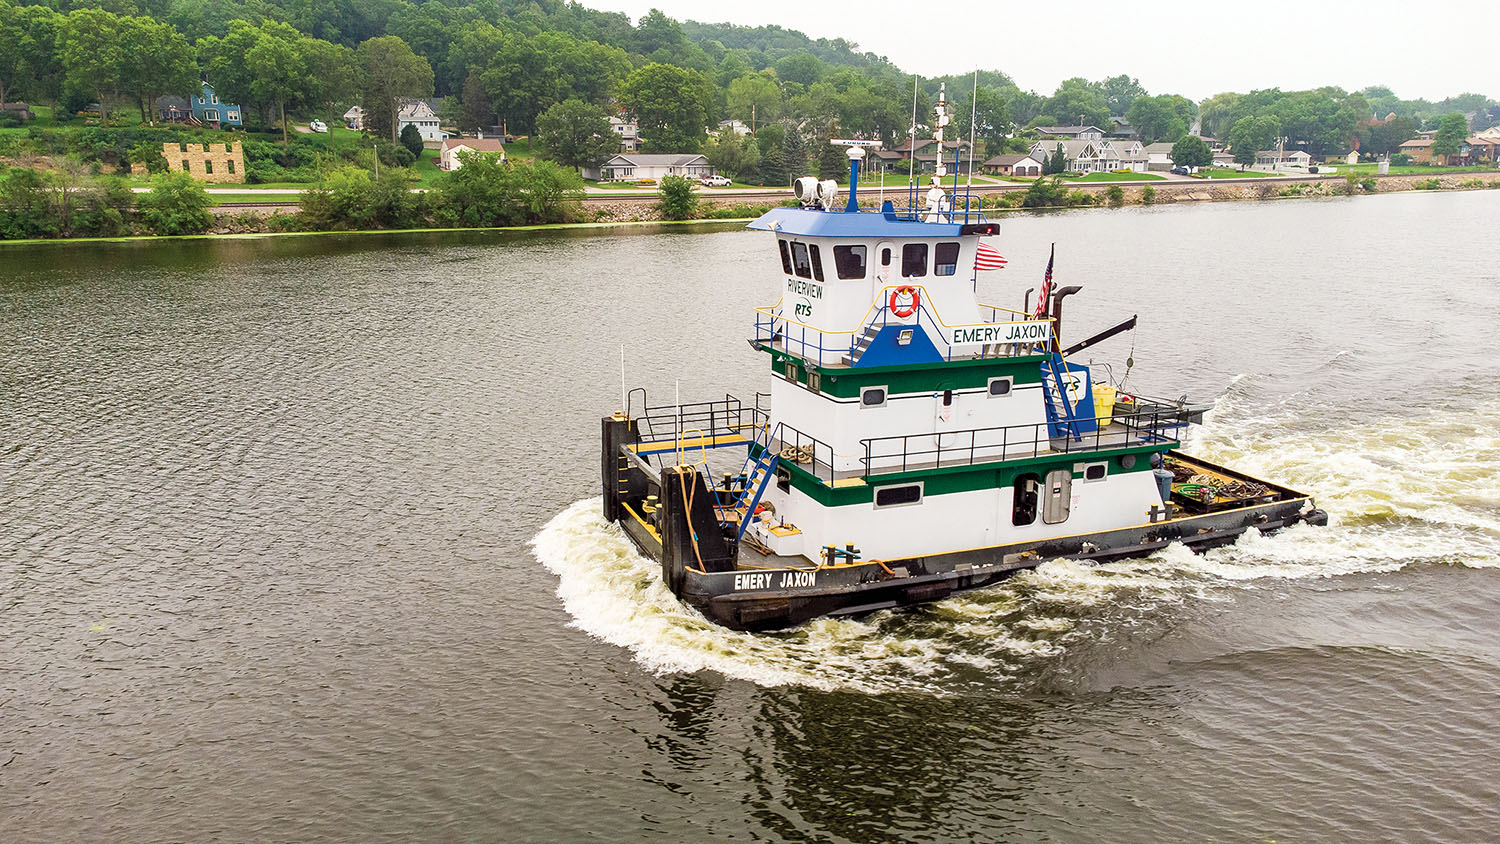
<point>209,111</point>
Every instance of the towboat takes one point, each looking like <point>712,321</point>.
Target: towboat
<point>914,442</point>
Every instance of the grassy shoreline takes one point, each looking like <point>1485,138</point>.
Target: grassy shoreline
<point>429,230</point>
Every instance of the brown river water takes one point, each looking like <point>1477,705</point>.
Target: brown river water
<point>299,541</point>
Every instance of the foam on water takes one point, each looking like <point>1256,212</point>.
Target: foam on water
<point>1408,491</point>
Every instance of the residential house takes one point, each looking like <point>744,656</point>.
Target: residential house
<point>739,128</point>
<point>1096,156</point>
<point>211,113</point>
<point>1076,133</point>
<point>170,109</point>
<point>926,154</point>
<point>354,118</point>
<point>881,160</point>
<point>637,166</point>
<point>1120,129</point>
<point>453,148</point>
<point>1420,149</point>
<point>1214,144</point>
<point>21,110</point>
<point>1013,165</point>
<point>419,113</point>
<point>1158,155</point>
<point>1282,159</point>
<point>629,132</point>
<point>1484,150</point>
<point>1132,154</point>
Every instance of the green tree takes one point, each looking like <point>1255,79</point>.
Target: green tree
<point>26,204</point>
<point>475,111</point>
<point>158,60</point>
<point>1386,138</point>
<point>732,155</point>
<point>773,170</point>
<point>29,56</point>
<point>1078,99</point>
<point>1161,118</point>
<point>177,204</point>
<point>411,138</point>
<point>1242,142</point>
<point>671,104</point>
<point>1055,162</point>
<point>481,193</point>
<point>793,150</point>
<point>333,76</point>
<point>278,69</point>
<point>990,118</point>
<point>800,67</point>
<point>1119,92</point>
<point>1045,193</point>
<point>1451,132</point>
<point>1191,151</point>
<point>391,72</point>
<point>93,57</point>
<point>352,198</point>
<point>1216,114</point>
<point>833,163</point>
<point>574,133</point>
<point>754,99</point>
<point>678,202</point>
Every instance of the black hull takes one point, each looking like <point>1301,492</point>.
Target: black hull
<point>856,590</point>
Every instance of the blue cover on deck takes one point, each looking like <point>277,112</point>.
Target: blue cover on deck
<point>884,351</point>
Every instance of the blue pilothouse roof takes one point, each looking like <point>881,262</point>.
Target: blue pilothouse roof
<point>809,222</point>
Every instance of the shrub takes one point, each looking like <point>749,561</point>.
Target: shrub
<point>1115,195</point>
<point>1082,197</point>
<point>1351,182</point>
<point>26,204</point>
<point>411,138</point>
<point>1401,159</point>
<point>351,198</point>
<point>1368,184</point>
<point>1148,195</point>
<point>735,212</point>
<point>1427,184</point>
<point>1470,184</point>
<point>678,202</point>
<point>1045,193</point>
<point>177,204</point>
<point>9,120</point>
<point>488,192</point>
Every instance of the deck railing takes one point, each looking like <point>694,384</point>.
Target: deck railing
<point>1149,423</point>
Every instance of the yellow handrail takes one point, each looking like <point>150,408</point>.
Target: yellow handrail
<point>877,303</point>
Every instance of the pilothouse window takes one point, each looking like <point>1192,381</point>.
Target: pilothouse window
<point>786,257</point>
<point>849,261</point>
<point>914,260</point>
<point>801,267</point>
<point>817,262</point>
<point>945,259</point>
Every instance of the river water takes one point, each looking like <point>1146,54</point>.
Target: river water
<point>299,541</point>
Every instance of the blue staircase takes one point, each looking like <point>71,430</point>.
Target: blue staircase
<point>1062,417</point>
<point>759,468</point>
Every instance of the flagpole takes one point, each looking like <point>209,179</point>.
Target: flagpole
<point>911,157</point>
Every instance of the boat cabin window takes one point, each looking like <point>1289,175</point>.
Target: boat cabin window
<point>1095,472</point>
<point>885,257</point>
<point>850,261</point>
<point>1000,386</point>
<point>914,260</point>
<point>817,262</point>
<point>786,257</point>
<point>1028,490</point>
<point>801,266</point>
<point>945,259</point>
<point>895,496</point>
<point>872,397</point>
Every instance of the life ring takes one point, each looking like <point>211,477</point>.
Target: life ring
<point>903,293</point>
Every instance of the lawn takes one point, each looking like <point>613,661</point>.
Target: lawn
<point>265,199</point>
<point>1226,173</point>
<point>1116,177</point>
<point>1409,169</point>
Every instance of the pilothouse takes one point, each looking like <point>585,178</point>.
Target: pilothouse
<point>914,441</point>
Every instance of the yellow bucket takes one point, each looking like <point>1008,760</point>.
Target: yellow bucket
<point>1104,403</point>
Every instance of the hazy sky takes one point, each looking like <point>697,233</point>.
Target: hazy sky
<point>1195,49</point>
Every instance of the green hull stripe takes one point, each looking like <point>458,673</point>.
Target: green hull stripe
<point>844,382</point>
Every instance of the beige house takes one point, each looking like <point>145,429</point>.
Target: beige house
<point>216,163</point>
<point>454,147</point>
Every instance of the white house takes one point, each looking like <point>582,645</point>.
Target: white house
<point>629,132</point>
<point>739,128</point>
<point>1159,155</point>
<point>1013,165</point>
<point>1132,154</point>
<point>420,114</point>
<point>448,159</point>
<point>354,118</point>
<point>636,166</point>
<point>1292,159</point>
<point>1082,156</point>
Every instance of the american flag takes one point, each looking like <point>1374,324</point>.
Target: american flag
<point>1046,292</point>
<point>986,258</point>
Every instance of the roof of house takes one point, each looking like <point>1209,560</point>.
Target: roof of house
<point>1480,140</point>
<point>1068,130</point>
<point>1418,142</point>
<point>1009,160</point>
<point>659,159</point>
<point>1158,148</point>
<point>415,109</point>
<point>476,144</point>
<point>353,111</point>
<point>1072,148</point>
<point>1286,153</point>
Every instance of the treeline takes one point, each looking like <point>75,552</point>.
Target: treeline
<point>72,202</point>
